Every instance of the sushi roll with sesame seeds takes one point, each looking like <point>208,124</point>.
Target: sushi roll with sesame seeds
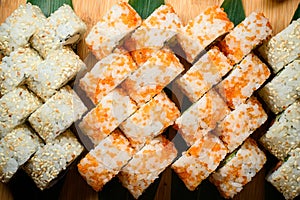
<point>240,123</point>
<point>238,169</point>
<point>284,135</point>
<point>111,111</point>
<point>150,120</point>
<point>15,107</point>
<point>154,31</point>
<point>202,31</point>
<point>52,158</point>
<point>283,48</point>
<point>106,75</point>
<point>243,80</point>
<point>201,117</point>
<point>155,74</point>
<point>286,177</point>
<point>205,73</point>
<point>200,160</point>
<point>246,36</point>
<point>113,27</point>
<point>17,67</point>
<point>63,27</point>
<point>57,114</point>
<point>19,27</point>
<point>146,165</point>
<point>15,149</point>
<point>106,160</point>
<point>54,72</point>
<point>284,89</point>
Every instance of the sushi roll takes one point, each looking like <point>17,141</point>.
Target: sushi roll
<point>150,120</point>
<point>111,111</point>
<point>155,74</point>
<point>57,114</point>
<point>69,28</point>
<point>200,160</point>
<point>202,31</point>
<point>114,26</point>
<point>287,177</point>
<point>240,123</point>
<point>201,117</point>
<point>205,73</point>
<point>146,165</point>
<point>17,67</point>
<point>106,75</point>
<point>284,89</point>
<point>63,27</point>
<point>154,31</point>
<point>284,135</point>
<point>283,48</point>
<point>243,80</point>
<point>15,107</point>
<point>19,27</point>
<point>238,169</point>
<point>246,36</point>
<point>52,158</point>
<point>15,149</point>
<point>54,72</point>
<point>106,160</point>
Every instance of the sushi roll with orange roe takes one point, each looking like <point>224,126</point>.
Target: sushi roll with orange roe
<point>241,123</point>
<point>246,36</point>
<point>238,169</point>
<point>113,27</point>
<point>155,30</point>
<point>200,160</point>
<point>147,164</point>
<point>201,117</point>
<point>204,74</point>
<point>111,111</point>
<point>243,80</point>
<point>106,160</point>
<point>150,120</point>
<point>155,74</point>
<point>202,31</point>
<point>106,75</point>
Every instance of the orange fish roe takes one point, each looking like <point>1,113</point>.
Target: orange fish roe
<point>147,164</point>
<point>238,171</point>
<point>203,30</point>
<point>111,111</point>
<point>245,36</point>
<point>106,75</point>
<point>201,159</point>
<point>247,77</point>
<point>150,78</point>
<point>117,23</point>
<point>105,161</point>
<point>150,120</point>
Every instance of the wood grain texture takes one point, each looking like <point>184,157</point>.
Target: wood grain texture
<point>74,187</point>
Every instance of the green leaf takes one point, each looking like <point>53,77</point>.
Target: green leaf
<point>145,7</point>
<point>49,6</point>
<point>235,10</point>
<point>297,13</point>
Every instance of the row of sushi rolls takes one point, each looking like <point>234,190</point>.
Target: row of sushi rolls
<point>233,71</point>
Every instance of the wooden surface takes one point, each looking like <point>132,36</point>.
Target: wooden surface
<point>72,186</point>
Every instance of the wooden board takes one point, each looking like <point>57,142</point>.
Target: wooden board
<point>74,187</point>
